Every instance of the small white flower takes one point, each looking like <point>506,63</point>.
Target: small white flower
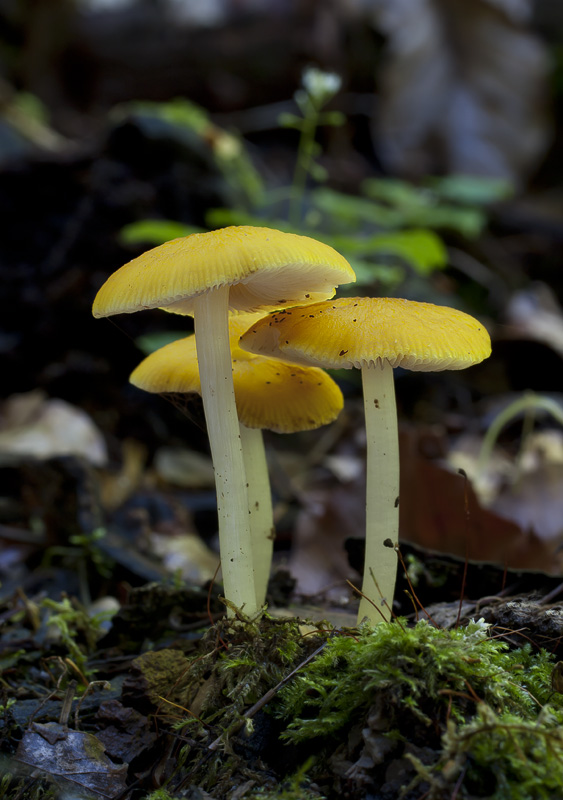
<point>321,85</point>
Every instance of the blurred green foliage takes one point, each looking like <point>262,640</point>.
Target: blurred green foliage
<point>390,231</point>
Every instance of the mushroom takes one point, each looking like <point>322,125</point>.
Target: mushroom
<point>270,394</point>
<point>374,335</point>
<point>206,274</point>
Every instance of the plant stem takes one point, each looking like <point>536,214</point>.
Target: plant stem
<point>215,369</point>
<point>260,507</point>
<point>304,158</point>
<point>522,404</point>
<point>382,490</point>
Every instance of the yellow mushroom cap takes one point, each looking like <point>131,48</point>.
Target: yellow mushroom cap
<point>265,268</point>
<point>363,331</point>
<point>269,393</point>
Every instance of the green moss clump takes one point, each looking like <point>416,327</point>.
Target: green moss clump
<point>521,757</point>
<point>479,706</point>
<point>237,663</point>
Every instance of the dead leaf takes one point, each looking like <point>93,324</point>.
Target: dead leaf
<point>463,89</point>
<point>535,502</point>
<point>117,487</point>
<point>33,425</point>
<point>328,517</point>
<point>535,313</point>
<point>185,555</point>
<point>440,511</point>
<point>183,467</point>
<point>534,498</point>
<point>73,756</point>
<point>126,733</point>
<point>526,488</point>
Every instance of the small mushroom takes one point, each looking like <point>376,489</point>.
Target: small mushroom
<point>270,394</point>
<point>207,274</point>
<point>375,335</point>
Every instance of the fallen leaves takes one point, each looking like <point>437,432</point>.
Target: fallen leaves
<point>71,757</point>
<point>33,425</point>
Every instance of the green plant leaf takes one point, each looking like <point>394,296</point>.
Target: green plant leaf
<point>373,272</point>
<point>334,118</point>
<point>318,172</point>
<point>355,210</point>
<point>154,231</point>
<point>393,191</point>
<point>421,207</point>
<point>287,120</point>
<point>471,189</point>
<point>423,250</point>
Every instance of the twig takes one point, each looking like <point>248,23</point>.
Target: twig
<point>267,697</point>
<point>411,587</point>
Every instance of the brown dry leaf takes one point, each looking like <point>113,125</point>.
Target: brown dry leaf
<point>463,89</point>
<point>526,488</point>
<point>440,511</point>
<point>328,517</point>
<point>117,487</point>
<point>126,732</point>
<point>71,756</point>
<point>534,498</point>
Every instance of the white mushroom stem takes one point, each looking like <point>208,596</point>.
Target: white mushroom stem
<point>382,491</point>
<point>215,370</point>
<point>260,507</point>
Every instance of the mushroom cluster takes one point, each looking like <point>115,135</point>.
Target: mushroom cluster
<point>374,335</point>
<point>220,278</point>
<point>239,268</point>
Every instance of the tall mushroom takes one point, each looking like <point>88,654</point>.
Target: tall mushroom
<point>206,275</point>
<point>270,394</point>
<point>374,335</point>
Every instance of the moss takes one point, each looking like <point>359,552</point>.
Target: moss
<point>297,787</point>
<point>237,663</point>
<point>160,794</point>
<point>487,713</point>
<point>26,788</point>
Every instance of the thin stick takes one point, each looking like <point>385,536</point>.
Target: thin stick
<point>358,591</point>
<point>268,696</point>
<point>402,561</point>
<point>183,708</point>
<point>387,543</point>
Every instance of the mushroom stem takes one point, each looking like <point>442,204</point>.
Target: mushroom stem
<point>382,490</point>
<point>215,369</point>
<point>260,507</point>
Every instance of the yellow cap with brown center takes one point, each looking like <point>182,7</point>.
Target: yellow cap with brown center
<point>265,268</point>
<point>375,335</point>
<point>362,331</point>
